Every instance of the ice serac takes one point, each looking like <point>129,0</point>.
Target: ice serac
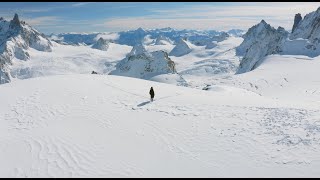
<point>16,37</point>
<point>308,27</point>
<point>297,19</point>
<point>140,63</point>
<point>182,48</point>
<point>101,44</point>
<point>260,40</point>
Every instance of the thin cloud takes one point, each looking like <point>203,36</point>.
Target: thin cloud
<point>81,4</point>
<point>241,16</point>
<point>42,21</point>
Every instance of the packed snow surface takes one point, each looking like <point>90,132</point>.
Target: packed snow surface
<point>105,126</point>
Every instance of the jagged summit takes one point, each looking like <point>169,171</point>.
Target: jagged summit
<point>260,40</point>
<point>15,23</point>
<point>308,27</point>
<point>297,19</point>
<point>101,44</point>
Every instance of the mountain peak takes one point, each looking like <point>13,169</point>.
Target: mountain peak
<point>15,22</point>
<point>263,22</point>
<point>16,18</point>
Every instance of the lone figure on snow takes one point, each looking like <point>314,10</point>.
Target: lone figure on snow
<point>151,92</point>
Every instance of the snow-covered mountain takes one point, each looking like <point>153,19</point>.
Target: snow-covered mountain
<point>182,48</point>
<point>101,44</point>
<point>236,32</point>
<point>16,37</point>
<point>262,40</point>
<point>259,41</point>
<point>140,63</point>
<point>133,37</point>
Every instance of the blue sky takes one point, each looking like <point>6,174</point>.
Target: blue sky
<point>59,17</point>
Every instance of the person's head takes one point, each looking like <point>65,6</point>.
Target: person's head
<point>151,87</point>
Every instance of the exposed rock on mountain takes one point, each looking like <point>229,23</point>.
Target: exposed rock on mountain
<point>260,40</point>
<point>141,64</point>
<point>308,27</point>
<point>16,37</point>
<point>297,19</point>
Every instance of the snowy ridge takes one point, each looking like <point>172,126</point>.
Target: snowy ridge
<point>133,37</point>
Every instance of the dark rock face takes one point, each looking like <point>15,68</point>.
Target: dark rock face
<point>297,19</point>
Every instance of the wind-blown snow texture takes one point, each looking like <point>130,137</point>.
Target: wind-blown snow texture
<point>200,133</point>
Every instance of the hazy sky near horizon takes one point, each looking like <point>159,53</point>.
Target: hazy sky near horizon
<point>61,17</point>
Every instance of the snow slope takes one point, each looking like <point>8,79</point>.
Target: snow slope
<point>68,59</point>
<point>105,126</point>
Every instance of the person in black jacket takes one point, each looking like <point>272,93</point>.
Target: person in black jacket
<point>151,92</point>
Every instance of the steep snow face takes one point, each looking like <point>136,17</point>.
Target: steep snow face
<point>308,28</point>
<point>16,37</point>
<point>260,40</point>
<point>182,48</point>
<point>142,64</point>
<point>101,44</point>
